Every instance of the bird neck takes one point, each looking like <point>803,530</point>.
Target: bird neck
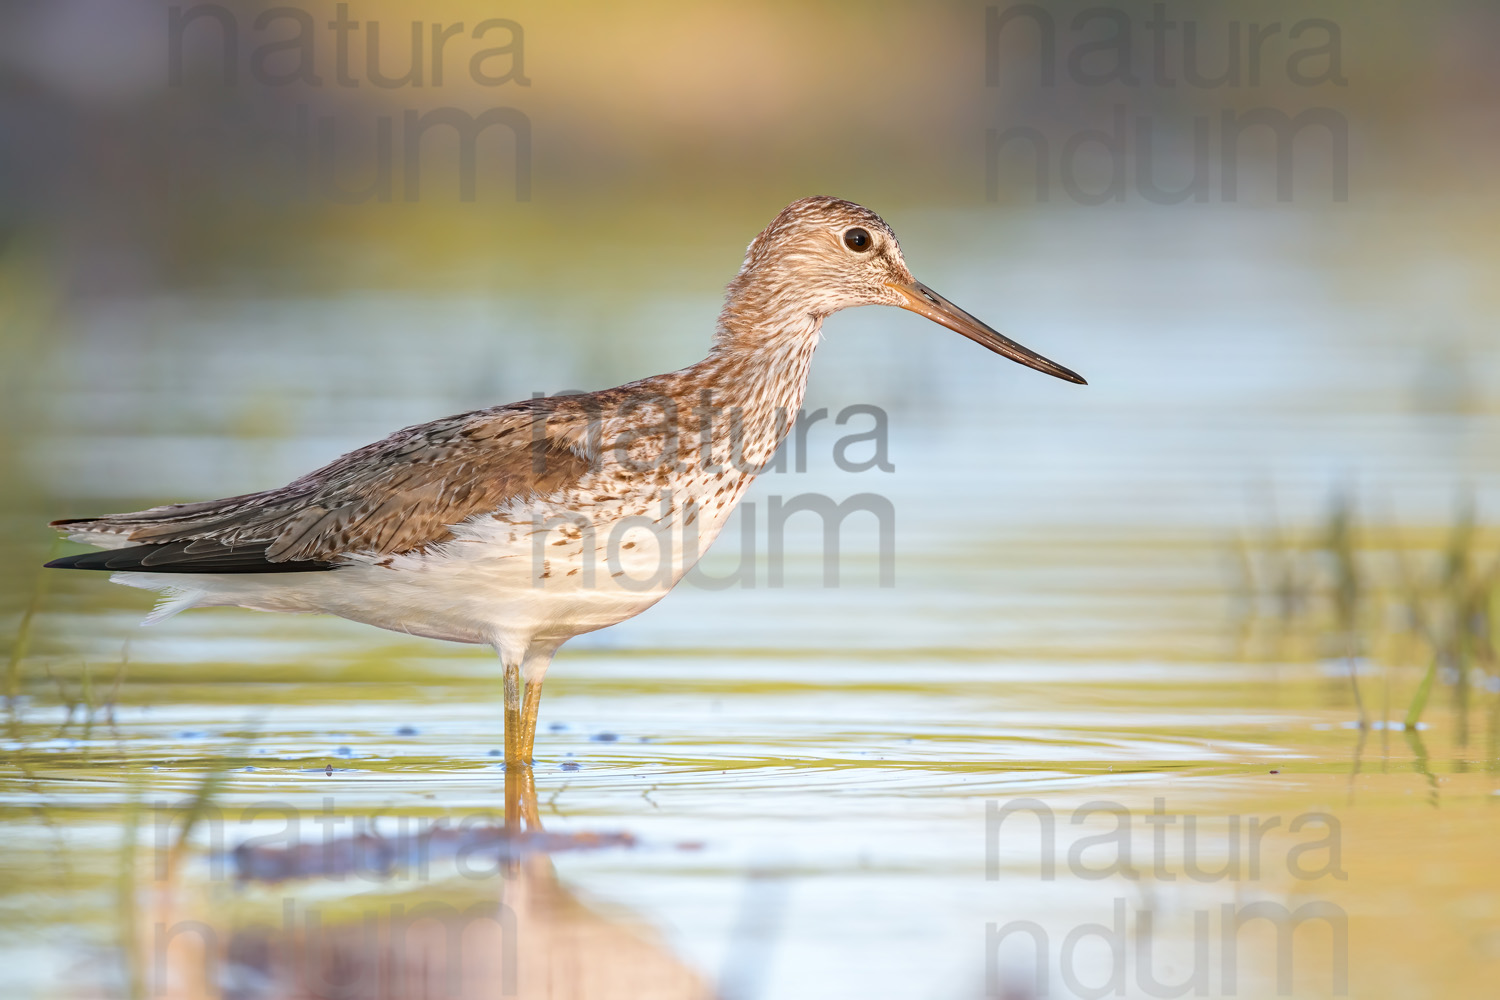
<point>756,374</point>
<point>763,345</point>
<point>767,305</point>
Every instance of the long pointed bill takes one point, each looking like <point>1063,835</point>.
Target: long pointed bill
<point>925,302</point>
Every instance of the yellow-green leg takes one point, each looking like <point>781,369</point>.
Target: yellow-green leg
<point>513,725</point>
<point>523,701</point>
<point>533,671</point>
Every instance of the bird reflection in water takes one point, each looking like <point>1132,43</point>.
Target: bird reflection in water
<point>467,911</point>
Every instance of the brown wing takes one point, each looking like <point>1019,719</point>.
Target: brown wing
<point>398,495</point>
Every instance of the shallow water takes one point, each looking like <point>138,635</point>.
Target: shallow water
<point>805,773</point>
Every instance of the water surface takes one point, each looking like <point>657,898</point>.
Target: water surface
<point>782,791</point>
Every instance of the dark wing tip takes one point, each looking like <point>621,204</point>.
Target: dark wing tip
<point>74,562</point>
<point>172,557</point>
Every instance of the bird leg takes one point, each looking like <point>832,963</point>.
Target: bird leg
<point>523,700</point>
<point>529,711</point>
<point>520,800</point>
<point>513,754</point>
<point>534,670</point>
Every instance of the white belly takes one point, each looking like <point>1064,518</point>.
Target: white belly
<point>544,573</point>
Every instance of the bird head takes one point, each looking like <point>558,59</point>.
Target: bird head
<point>824,254</point>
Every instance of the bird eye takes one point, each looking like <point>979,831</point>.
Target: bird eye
<point>857,239</point>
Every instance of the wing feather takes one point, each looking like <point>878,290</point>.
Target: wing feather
<point>401,494</point>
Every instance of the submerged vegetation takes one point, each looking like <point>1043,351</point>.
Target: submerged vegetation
<point>1393,611</point>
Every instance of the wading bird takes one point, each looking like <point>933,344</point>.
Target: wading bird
<point>522,526</point>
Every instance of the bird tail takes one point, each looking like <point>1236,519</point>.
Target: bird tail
<point>174,599</point>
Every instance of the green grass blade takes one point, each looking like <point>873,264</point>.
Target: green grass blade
<point>1419,700</point>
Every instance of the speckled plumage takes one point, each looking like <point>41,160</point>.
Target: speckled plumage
<point>524,525</point>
